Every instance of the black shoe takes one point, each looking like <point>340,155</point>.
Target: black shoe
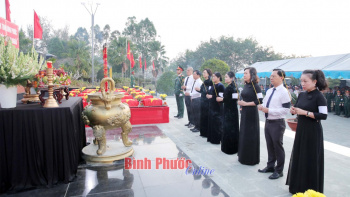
<point>187,124</point>
<point>191,126</point>
<point>276,175</point>
<point>176,116</point>
<point>195,130</point>
<point>180,117</point>
<point>266,169</point>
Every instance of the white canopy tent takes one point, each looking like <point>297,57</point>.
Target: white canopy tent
<point>334,66</point>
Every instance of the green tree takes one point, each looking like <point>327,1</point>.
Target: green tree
<point>237,53</point>
<point>165,83</point>
<point>62,34</point>
<point>82,35</point>
<point>117,53</point>
<point>106,33</point>
<point>216,66</point>
<point>157,52</point>
<point>79,51</point>
<point>25,43</point>
<point>57,47</point>
<point>143,35</point>
<point>333,82</point>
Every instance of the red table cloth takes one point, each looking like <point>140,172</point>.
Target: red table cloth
<point>149,115</point>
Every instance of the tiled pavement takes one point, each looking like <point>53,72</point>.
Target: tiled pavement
<point>240,180</point>
<point>174,140</point>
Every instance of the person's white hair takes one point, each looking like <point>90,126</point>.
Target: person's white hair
<point>190,68</point>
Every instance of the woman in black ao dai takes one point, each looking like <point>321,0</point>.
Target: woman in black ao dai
<point>249,136</point>
<point>216,110</point>
<point>306,167</point>
<point>230,137</point>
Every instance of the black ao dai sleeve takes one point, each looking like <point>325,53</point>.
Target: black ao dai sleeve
<point>322,108</point>
<point>259,95</point>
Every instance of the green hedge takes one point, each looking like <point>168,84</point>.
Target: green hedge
<point>165,83</point>
<point>216,65</point>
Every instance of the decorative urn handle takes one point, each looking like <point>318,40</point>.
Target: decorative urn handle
<point>107,96</point>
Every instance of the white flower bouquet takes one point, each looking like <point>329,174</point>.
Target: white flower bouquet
<point>16,68</point>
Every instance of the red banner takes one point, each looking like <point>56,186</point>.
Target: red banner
<point>10,30</point>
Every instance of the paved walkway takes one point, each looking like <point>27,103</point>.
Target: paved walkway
<point>240,180</point>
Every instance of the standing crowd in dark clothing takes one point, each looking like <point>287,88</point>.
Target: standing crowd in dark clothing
<point>213,112</point>
<point>338,101</point>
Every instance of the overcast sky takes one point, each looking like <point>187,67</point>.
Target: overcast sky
<point>307,27</point>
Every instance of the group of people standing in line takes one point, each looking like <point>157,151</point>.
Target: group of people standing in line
<point>213,110</point>
<point>338,101</point>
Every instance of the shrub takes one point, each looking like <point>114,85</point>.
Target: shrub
<point>165,83</point>
<point>216,66</point>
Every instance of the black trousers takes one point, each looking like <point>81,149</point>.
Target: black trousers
<point>196,112</point>
<point>188,108</point>
<point>274,130</point>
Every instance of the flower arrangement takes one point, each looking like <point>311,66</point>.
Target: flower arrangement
<point>16,68</point>
<point>59,78</point>
<point>139,98</point>
<point>309,193</point>
<point>163,96</point>
<point>152,92</point>
<point>146,91</point>
<point>136,87</point>
<point>140,88</point>
<point>133,93</point>
<point>125,88</point>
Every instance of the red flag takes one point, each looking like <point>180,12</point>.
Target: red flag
<point>128,53</point>
<point>132,61</point>
<point>8,11</point>
<point>145,64</point>
<point>153,66</point>
<point>140,62</point>
<point>38,31</point>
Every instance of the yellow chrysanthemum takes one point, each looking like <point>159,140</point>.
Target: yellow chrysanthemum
<point>298,195</point>
<point>312,193</point>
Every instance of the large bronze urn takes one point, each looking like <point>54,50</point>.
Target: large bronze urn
<point>106,111</point>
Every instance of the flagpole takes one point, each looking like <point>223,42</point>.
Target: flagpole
<point>130,68</point>
<point>33,29</point>
<point>126,52</point>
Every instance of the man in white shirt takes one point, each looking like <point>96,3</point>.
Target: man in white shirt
<point>275,105</point>
<point>187,89</point>
<point>196,100</point>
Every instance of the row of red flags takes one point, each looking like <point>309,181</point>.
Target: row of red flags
<point>38,33</point>
<point>130,57</point>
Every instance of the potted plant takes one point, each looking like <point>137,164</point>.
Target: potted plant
<point>293,122</point>
<point>139,99</point>
<point>133,93</point>
<point>152,93</point>
<point>15,69</point>
<point>163,97</point>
